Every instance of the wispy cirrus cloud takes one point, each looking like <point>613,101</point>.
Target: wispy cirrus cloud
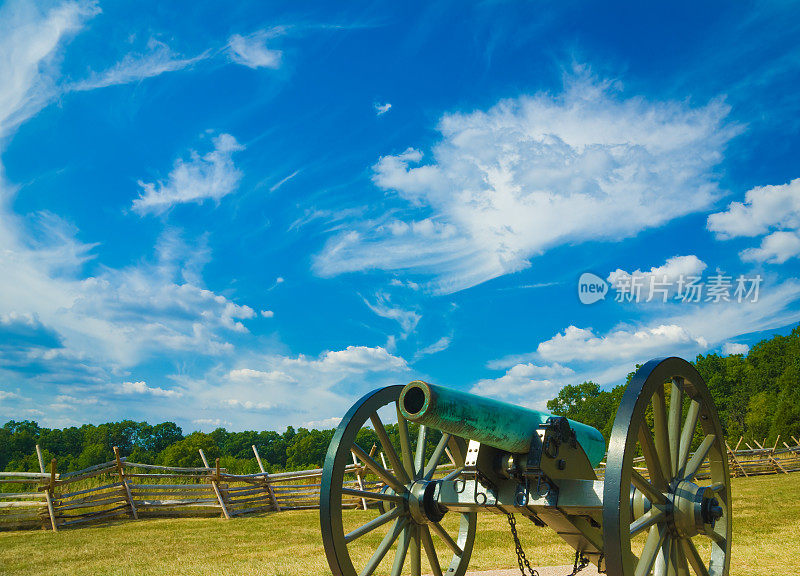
<point>31,40</point>
<point>210,176</point>
<point>135,67</point>
<point>535,172</point>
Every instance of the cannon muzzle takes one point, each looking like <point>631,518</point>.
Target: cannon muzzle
<point>499,424</point>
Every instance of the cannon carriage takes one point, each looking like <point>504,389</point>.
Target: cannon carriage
<point>650,514</point>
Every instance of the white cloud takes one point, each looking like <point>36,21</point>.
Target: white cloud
<point>441,344</point>
<point>31,39</point>
<point>293,389</point>
<point>141,388</point>
<point>734,348</point>
<point>776,248</point>
<point>528,384</point>
<point>252,51</point>
<point>215,422</point>
<point>324,424</point>
<point>212,175</point>
<point>582,344</point>
<point>765,209</point>
<point>283,181</point>
<point>536,172</point>
<point>408,319</point>
<point>353,359</point>
<point>267,313</point>
<point>381,109</point>
<point>136,67</point>
<point>670,272</point>
<point>250,405</point>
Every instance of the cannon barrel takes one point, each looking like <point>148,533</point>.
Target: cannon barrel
<point>499,424</point>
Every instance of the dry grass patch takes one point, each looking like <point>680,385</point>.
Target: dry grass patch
<point>766,524</point>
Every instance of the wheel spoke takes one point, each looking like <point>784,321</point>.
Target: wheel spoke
<point>379,470</point>
<point>717,487</point>
<point>436,456</point>
<point>430,551</point>
<point>655,538</point>
<point>402,549</point>
<point>384,546</point>
<point>675,414</point>
<point>454,474</point>
<point>388,449</point>
<point>718,539</point>
<point>373,495</point>
<point>646,488</point>
<point>651,458</point>
<point>416,552</point>
<point>687,435</point>
<point>662,561</point>
<point>661,432</point>
<point>405,444</point>
<point>681,565</point>
<point>698,457</point>
<point>652,516</point>
<point>374,523</point>
<point>419,457</point>
<point>446,537</point>
<point>693,556</point>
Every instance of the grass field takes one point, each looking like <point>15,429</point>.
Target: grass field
<point>766,524</point>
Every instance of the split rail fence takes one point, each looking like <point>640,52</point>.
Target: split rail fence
<point>121,489</point>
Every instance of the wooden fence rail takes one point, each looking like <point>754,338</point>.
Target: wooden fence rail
<point>121,489</point>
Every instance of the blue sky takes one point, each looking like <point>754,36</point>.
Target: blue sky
<point>248,216</point>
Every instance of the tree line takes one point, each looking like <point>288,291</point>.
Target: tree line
<point>757,395</point>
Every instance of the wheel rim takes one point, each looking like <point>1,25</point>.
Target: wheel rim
<point>408,535</point>
<point>664,501</point>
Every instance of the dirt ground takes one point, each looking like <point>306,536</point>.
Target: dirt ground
<point>590,570</point>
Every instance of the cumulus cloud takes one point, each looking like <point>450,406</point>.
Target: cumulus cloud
<point>735,348</point>
<point>252,51</point>
<point>776,248</point>
<point>773,211</point>
<point>534,172</point>
<point>295,388</point>
<point>583,344</point>
<point>210,176</point>
<point>666,276</point>
<point>141,388</point>
<point>529,384</point>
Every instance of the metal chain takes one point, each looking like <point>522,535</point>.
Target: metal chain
<point>581,562</point>
<point>522,561</point>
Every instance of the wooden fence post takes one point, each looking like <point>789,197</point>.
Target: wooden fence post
<point>126,490</point>
<point>771,459</point>
<point>735,459</point>
<point>215,484</point>
<point>49,493</point>
<point>267,486</point>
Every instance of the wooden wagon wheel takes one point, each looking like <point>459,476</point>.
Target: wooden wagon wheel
<point>670,506</point>
<point>407,530</point>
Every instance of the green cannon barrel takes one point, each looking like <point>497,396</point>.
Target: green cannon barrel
<point>499,424</point>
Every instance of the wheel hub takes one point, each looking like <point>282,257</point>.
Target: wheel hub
<point>694,509</point>
<point>422,502</point>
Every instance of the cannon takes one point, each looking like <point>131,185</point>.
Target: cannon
<point>650,514</point>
